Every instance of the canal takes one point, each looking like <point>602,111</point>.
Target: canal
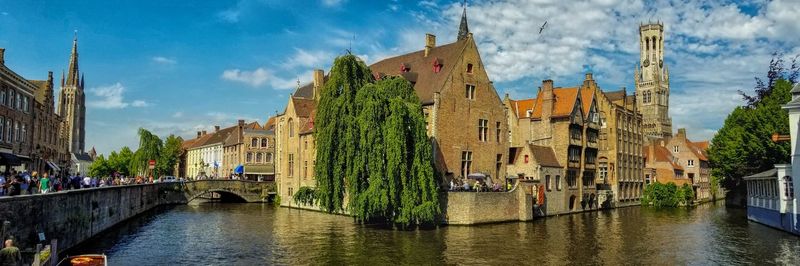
<point>256,234</point>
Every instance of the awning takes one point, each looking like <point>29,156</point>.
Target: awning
<point>9,159</point>
<point>259,169</point>
<point>239,169</point>
<point>53,166</point>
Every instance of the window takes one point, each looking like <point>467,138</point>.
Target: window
<point>25,104</point>
<point>10,133</point>
<point>11,98</point>
<point>269,157</point>
<point>588,179</point>
<point>291,192</point>
<point>466,163</point>
<point>24,133</point>
<point>291,165</point>
<point>470,92</point>
<point>574,154</point>
<point>526,158</point>
<point>603,171</point>
<point>483,128</point>
<point>259,157</point>
<point>3,96</point>
<point>305,169</point>
<point>253,143</point>
<point>690,163</point>
<point>291,128</point>
<point>437,67</point>
<point>675,148</point>
<point>16,130</point>
<point>575,133</point>
<point>547,182</point>
<point>498,132</point>
<point>591,155</point>
<point>264,143</point>
<point>558,182</point>
<point>592,136</point>
<point>647,179</point>
<point>469,68</point>
<point>788,187</point>
<point>305,144</point>
<point>2,124</point>
<point>572,178</point>
<point>19,101</point>
<point>249,157</point>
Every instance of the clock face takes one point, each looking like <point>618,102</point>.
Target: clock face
<point>646,62</point>
<point>660,63</point>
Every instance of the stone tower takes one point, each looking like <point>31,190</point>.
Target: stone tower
<point>71,105</point>
<point>652,82</point>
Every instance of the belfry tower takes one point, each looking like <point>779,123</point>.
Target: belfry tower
<point>652,82</point>
<point>71,104</point>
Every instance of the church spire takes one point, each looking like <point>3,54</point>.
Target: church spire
<point>463,29</point>
<point>73,77</point>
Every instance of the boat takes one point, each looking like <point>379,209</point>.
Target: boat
<point>85,260</point>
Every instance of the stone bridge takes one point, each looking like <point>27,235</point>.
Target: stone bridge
<point>248,191</point>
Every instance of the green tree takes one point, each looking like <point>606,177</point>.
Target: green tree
<point>743,145</point>
<point>149,149</point>
<point>169,155</point>
<point>123,161</point>
<point>336,131</point>
<point>100,167</point>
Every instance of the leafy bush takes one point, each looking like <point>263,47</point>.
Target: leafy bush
<point>667,195</point>
<point>305,196</point>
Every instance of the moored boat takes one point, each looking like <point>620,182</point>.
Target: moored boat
<point>85,260</point>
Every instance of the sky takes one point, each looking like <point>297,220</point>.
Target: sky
<point>176,67</point>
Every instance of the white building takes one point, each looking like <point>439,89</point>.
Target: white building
<point>771,195</point>
<point>80,163</point>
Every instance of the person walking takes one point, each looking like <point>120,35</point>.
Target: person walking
<point>44,184</point>
<point>10,255</point>
<point>3,185</point>
<point>15,185</point>
<point>33,184</point>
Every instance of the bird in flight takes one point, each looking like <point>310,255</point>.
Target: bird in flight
<point>542,27</point>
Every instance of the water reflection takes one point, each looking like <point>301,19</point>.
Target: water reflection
<point>252,234</point>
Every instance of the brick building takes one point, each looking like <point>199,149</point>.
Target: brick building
<point>16,118</point>
<point>49,148</point>
<point>652,82</point>
<point>620,159</point>
<point>688,159</point>
<point>541,176</point>
<point>465,116</point>
<point>566,120</point>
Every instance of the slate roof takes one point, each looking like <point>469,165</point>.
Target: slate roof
<point>83,157</point>
<point>545,156</point>
<point>615,95</point>
<point>769,173</point>
<point>307,91</point>
<point>426,81</point>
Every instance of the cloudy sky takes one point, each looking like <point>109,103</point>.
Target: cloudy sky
<point>176,67</point>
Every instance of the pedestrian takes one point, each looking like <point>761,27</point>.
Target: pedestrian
<point>44,184</point>
<point>25,181</point>
<point>10,255</point>
<point>33,185</point>
<point>2,185</point>
<point>56,184</point>
<point>87,182</point>
<point>15,187</point>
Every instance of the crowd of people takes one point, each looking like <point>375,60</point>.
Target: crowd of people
<point>29,183</point>
<point>479,185</point>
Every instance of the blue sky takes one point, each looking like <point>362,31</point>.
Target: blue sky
<point>182,66</point>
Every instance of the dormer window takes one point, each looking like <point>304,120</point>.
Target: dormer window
<point>528,113</point>
<point>437,65</point>
<point>404,68</point>
<point>469,68</point>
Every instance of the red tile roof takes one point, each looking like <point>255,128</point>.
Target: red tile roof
<point>521,107</point>
<point>563,102</point>
<point>661,154</point>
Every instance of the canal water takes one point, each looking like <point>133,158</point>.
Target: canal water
<point>256,234</point>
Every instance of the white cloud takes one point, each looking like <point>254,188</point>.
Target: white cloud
<point>229,15</point>
<point>4,13</point>
<point>164,60</point>
<point>261,77</point>
<point>308,59</point>
<point>111,97</point>
<point>332,3</point>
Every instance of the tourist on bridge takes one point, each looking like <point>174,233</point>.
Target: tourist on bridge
<point>33,182</point>
<point>15,184</point>
<point>2,185</point>
<point>10,255</point>
<point>87,182</point>
<point>44,184</point>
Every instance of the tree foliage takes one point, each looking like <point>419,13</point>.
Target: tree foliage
<point>743,145</point>
<point>376,138</point>
<point>305,196</point>
<point>149,149</point>
<point>100,167</point>
<point>168,156</point>
<point>667,195</point>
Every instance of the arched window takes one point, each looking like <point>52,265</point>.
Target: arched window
<point>269,157</point>
<point>254,142</point>
<point>264,142</point>
<point>654,42</point>
<point>259,156</point>
<point>291,128</point>
<point>647,44</point>
<point>249,157</point>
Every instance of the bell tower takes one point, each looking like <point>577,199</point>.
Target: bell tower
<point>71,104</point>
<point>652,82</point>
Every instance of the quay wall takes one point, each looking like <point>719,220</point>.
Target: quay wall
<point>466,208</point>
<point>77,215</point>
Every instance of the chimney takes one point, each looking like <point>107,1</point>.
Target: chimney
<point>547,99</point>
<point>199,134</point>
<point>681,133</point>
<point>319,82</point>
<point>589,76</point>
<point>204,132</point>
<point>430,42</point>
<point>241,122</point>
<point>216,128</point>
<point>2,56</point>
<point>651,152</point>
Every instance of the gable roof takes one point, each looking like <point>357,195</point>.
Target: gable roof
<point>307,91</point>
<point>661,154</point>
<point>563,102</point>
<point>699,152</point>
<point>270,124</point>
<point>545,156</point>
<point>587,97</point>
<point>426,81</point>
<point>614,95</point>
<point>521,107</point>
<point>304,107</point>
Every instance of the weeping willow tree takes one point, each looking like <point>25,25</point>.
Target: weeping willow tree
<point>337,132</point>
<point>374,144</point>
<point>149,149</point>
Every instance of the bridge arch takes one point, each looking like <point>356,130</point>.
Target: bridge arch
<point>233,190</point>
<point>224,195</point>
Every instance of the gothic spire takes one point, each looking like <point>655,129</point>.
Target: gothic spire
<point>463,29</point>
<point>73,77</point>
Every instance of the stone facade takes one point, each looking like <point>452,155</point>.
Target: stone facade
<point>620,159</point>
<point>16,117</point>
<point>541,177</point>
<point>296,150</point>
<point>652,82</point>
<point>687,163</point>
<point>49,148</point>
<point>566,120</point>
<point>259,154</point>
<point>72,104</point>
